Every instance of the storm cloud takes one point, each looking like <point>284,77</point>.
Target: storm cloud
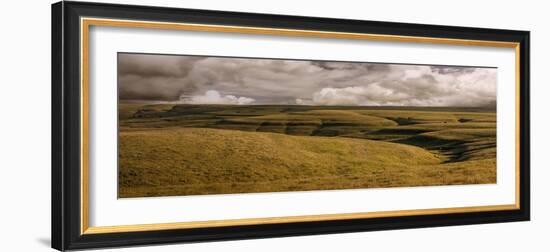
<point>224,80</point>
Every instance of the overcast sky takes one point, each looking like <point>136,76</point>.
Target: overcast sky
<point>218,80</point>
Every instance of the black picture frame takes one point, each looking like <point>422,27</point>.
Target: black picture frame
<point>66,114</point>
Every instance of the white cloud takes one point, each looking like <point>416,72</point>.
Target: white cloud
<point>369,95</point>
<point>339,96</point>
<point>475,89</point>
<point>214,97</point>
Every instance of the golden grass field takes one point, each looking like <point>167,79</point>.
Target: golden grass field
<point>167,149</point>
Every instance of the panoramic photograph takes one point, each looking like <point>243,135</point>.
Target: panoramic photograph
<point>198,125</point>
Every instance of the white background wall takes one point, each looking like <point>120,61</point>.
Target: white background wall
<point>25,125</point>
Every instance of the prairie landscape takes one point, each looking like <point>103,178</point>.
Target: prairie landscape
<point>196,125</point>
<point>183,149</point>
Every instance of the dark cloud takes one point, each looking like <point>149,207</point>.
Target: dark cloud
<point>268,81</point>
<point>155,77</point>
<point>451,70</point>
<point>156,65</point>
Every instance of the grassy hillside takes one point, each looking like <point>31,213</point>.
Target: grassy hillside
<point>168,149</point>
<point>206,161</point>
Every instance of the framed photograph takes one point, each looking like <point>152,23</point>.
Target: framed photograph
<point>182,125</point>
